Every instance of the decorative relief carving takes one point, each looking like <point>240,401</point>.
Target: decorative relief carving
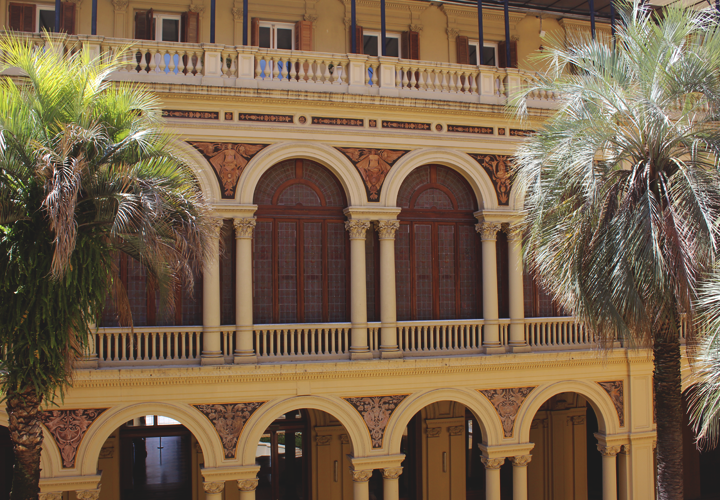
<point>323,440</point>
<point>488,230</point>
<point>88,494</point>
<point>193,7</point>
<point>373,165</point>
<point>498,168</point>
<point>507,402</point>
<point>456,430</point>
<point>376,412</point>
<point>514,232</point>
<point>347,122</point>
<point>520,133</point>
<point>107,452</point>
<point>357,228</point>
<point>578,420</point>
<point>608,451</point>
<point>392,472</point>
<point>501,131</point>
<point>68,428</point>
<point>259,117</point>
<point>229,116</point>
<point>372,123</point>
<point>198,115</point>
<point>386,229</point>
<point>214,486</point>
<point>470,130</point>
<point>50,495</point>
<point>361,476</point>
<point>228,160</point>
<point>492,463</point>
<point>615,391</point>
<point>216,225</point>
<point>344,439</point>
<point>433,432</point>
<point>416,27</point>
<point>405,125</point>
<point>237,13</point>
<point>120,5</point>
<point>521,460</point>
<point>625,449</point>
<point>244,227</point>
<point>247,484</point>
<point>310,17</point>
<point>452,32</point>
<point>228,420</point>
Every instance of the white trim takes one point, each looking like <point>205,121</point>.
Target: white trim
<point>378,35</point>
<point>487,45</point>
<point>159,22</point>
<point>273,33</point>
<point>38,8</point>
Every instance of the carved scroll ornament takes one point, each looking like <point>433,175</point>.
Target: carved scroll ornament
<point>507,403</point>
<point>498,168</point>
<point>67,428</point>
<point>228,420</point>
<point>615,391</point>
<point>376,412</point>
<point>228,160</point>
<point>373,165</point>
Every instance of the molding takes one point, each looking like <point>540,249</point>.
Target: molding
<point>372,213</point>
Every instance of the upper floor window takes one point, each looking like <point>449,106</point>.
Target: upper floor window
<point>489,53</point>
<point>276,35</point>
<point>167,27</point>
<point>38,17</point>
<point>372,42</point>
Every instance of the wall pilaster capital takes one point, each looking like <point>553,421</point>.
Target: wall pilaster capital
<point>488,230</point>
<point>386,229</point>
<point>361,476</point>
<point>521,460</point>
<point>214,486</point>
<point>244,227</point>
<point>608,451</point>
<point>51,495</point>
<point>120,5</point>
<point>88,494</point>
<point>357,228</point>
<point>237,13</point>
<point>247,484</point>
<point>392,472</point>
<point>492,463</point>
<point>625,449</point>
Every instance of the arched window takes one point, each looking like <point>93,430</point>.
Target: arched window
<point>437,250</point>
<point>301,249</point>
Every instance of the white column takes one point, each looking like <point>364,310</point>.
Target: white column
<point>88,494</point>
<point>247,488</point>
<point>391,487</point>
<point>388,308</point>
<point>491,333</point>
<point>520,486</point>
<point>244,352</point>
<point>358,290</point>
<point>609,476</point>
<point>623,465</point>
<point>212,350</point>
<point>492,477</point>
<point>360,484</point>
<point>517,302</point>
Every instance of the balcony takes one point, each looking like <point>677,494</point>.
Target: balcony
<point>255,68</point>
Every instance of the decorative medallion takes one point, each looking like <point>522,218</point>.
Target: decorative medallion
<point>198,115</point>
<point>372,123</point>
<point>615,391</point>
<point>514,132</point>
<point>470,130</point>
<point>229,116</point>
<point>258,117</point>
<point>229,160</point>
<point>346,122</point>
<point>376,412</point>
<point>373,165</point>
<point>228,420</point>
<point>501,131</point>
<point>498,168</point>
<point>507,402</point>
<point>68,428</point>
<point>405,125</point>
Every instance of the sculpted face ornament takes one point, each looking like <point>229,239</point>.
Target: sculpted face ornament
<point>229,160</point>
<point>376,412</point>
<point>498,168</point>
<point>373,165</point>
<point>68,428</point>
<point>507,402</point>
<point>229,420</point>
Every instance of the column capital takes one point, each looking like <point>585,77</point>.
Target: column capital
<point>51,495</point>
<point>88,494</point>
<point>244,227</point>
<point>361,476</point>
<point>386,229</point>
<point>214,486</point>
<point>493,463</point>
<point>488,230</point>
<point>247,484</point>
<point>608,451</point>
<point>357,228</point>
<point>514,232</point>
<point>392,472</point>
<point>216,224</point>
<point>521,460</point>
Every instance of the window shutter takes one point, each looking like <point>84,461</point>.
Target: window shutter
<point>303,35</point>
<point>360,42</point>
<point>141,25</point>
<point>513,55</point>
<point>67,18</point>
<point>150,35</point>
<point>190,31</point>
<point>410,45</point>
<point>21,17</point>
<point>463,50</point>
<point>255,32</point>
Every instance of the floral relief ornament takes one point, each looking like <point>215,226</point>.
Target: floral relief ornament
<point>376,412</point>
<point>615,391</point>
<point>498,168</point>
<point>229,420</point>
<point>507,402</point>
<point>67,428</point>
<point>373,165</point>
<point>229,160</point>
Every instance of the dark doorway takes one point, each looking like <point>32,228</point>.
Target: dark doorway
<point>7,459</point>
<point>155,461</point>
<point>702,481</point>
<point>594,458</point>
<point>284,459</point>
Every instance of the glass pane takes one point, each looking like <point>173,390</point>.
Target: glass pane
<point>472,55</point>
<point>489,56</point>
<point>392,47</point>
<point>423,271</point>
<point>166,421</point>
<point>149,419</point>
<point>403,278</point>
<point>262,273</point>
<point>265,37</point>
<point>370,45</point>
<point>47,20</point>
<point>287,272</point>
<point>446,261</point>
<point>170,30</point>
<point>337,272</point>
<point>284,38</point>
<point>313,276</point>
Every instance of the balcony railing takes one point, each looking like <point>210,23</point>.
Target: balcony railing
<point>253,67</point>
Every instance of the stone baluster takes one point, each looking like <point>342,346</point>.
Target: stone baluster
<point>244,352</point>
<point>358,291</point>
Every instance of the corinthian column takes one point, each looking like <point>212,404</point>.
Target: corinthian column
<point>358,292</point>
<point>247,488</point>
<point>88,494</point>
<point>243,291</point>
<point>520,487</point>
<point>609,474</point>
<point>492,477</point>
<point>517,302</point>
<point>391,487</point>
<point>214,490</point>
<point>211,349</point>
<point>491,332</point>
<point>388,309</point>
<point>360,484</point>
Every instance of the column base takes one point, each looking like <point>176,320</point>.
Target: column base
<point>244,359</point>
<point>361,355</point>
<point>392,353</point>
<point>500,349</point>
<point>520,348</point>
<point>212,359</point>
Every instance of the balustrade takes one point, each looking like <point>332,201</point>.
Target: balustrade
<point>302,342</point>
<point>557,333</point>
<point>149,345</point>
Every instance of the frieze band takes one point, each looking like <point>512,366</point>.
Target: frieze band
<point>470,130</point>
<point>405,125</point>
<point>259,117</point>
<point>346,122</point>
<point>197,115</point>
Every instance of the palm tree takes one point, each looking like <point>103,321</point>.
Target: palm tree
<point>621,189</point>
<point>85,170</point>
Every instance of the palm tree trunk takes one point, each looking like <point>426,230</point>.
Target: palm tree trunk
<point>669,417</point>
<point>27,436</point>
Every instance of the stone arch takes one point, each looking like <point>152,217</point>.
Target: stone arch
<point>270,411</point>
<point>89,450</point>
<point>461,162</point>
<point>473,400</point>
<point>517,197</point>
<point>329,157</point>
<point>600,401</point>
<point>202,169</point>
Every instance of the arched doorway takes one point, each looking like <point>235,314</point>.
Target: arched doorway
<point>301,249</point>
<point>437,250</point>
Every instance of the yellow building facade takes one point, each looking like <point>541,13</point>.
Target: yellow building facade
<point>365,329</point>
